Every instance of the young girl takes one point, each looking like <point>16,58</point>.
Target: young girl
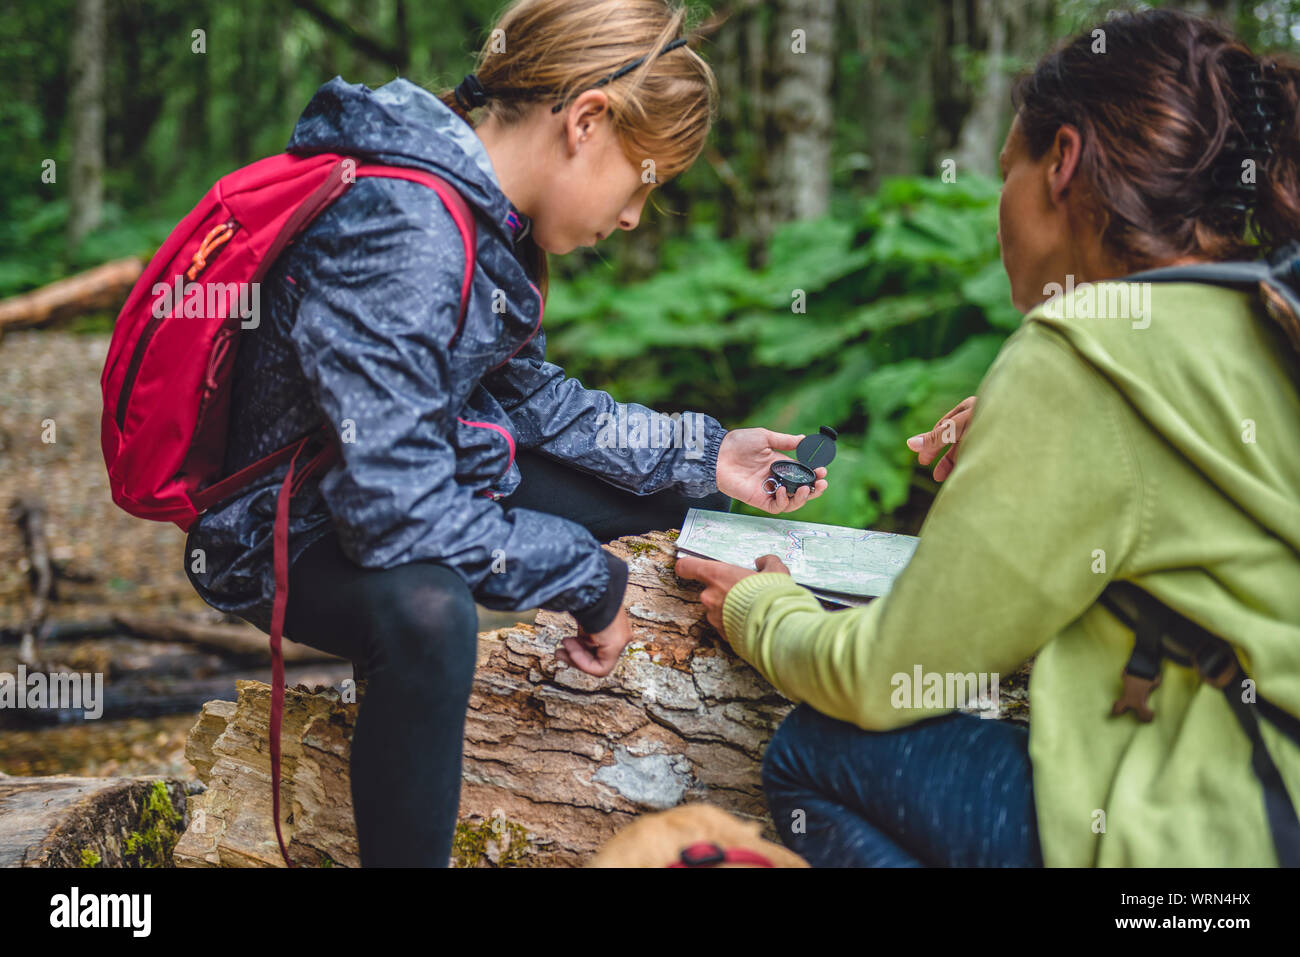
<point>1153,446</point>
<point>471,468</point>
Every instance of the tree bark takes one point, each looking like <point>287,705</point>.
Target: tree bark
<point>86,188</point>
<point>556,761</point>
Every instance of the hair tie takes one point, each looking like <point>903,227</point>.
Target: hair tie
<point>623,71</point>
<point>470,93</point>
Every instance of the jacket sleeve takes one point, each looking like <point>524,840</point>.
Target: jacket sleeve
<point>379,305</point>
<point>1040,513</point>
<point>627,445</point>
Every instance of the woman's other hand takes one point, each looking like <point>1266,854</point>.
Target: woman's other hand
<point>947,431</point>
<point>719,578</point>
<point>597,654</point>
<point>744,462</point>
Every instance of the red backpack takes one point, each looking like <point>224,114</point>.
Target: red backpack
<point>166,380</point>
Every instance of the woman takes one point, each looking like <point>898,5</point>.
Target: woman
<point>1154,446</point>
<point>471,468</point>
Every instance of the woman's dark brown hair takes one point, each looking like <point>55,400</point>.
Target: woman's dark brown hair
<point>1169,108</point>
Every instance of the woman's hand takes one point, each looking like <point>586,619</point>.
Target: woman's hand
<point>947,431</point>
<point>744,461</point>
<point>597,654</point>
<point>718,578</point>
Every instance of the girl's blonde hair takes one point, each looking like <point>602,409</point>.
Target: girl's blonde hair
<point>550,51</point>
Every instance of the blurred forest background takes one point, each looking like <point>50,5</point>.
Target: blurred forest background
<point>823,175</point>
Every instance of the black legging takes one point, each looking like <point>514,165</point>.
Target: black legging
<point>412,632</point>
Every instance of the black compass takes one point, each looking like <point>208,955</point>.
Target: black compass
<point>813,452</point>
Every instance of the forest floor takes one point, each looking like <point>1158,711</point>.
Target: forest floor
<point>49,389</point>
<point>133,565</point>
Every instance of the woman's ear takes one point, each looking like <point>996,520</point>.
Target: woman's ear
<point>1067,149</point>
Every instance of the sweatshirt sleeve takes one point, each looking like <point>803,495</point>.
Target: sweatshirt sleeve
<point>626,444</point>
<point>378,308</point>
<point>1040,512</point>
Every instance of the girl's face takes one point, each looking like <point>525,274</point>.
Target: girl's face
<point>592,188</point>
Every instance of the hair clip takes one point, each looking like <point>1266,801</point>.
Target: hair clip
<point>1259,116</point>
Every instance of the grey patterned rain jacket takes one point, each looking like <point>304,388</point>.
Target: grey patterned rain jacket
<point>355,322</point>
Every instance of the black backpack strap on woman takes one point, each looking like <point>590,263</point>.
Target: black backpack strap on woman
<point>1159,632</point>
<point>1276,279</point>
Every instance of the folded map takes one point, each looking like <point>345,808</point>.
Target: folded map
<point>843,566</point>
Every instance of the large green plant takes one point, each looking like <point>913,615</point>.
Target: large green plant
<point>906,305</point>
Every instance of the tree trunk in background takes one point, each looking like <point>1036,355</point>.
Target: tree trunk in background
<point>86,184</point>
<point>1015,34</point>
<point>1224,11</point>
<point>887,90</point>
<point>980,138</point>
<point>801,107</point>
<point>757,227</point>
<point>726,132</point>
<point>955,30</point>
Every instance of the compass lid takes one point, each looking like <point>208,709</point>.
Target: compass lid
<point>817,450</point>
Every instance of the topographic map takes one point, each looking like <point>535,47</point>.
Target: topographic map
<point>846,566</point>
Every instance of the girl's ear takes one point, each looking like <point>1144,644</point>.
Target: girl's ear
<point>1067,148</point>
<point>584,117</point>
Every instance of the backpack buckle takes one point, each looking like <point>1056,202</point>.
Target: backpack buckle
<point>1217,664</point>
<point>1134,697</point>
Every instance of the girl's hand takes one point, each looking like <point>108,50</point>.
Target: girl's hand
<point>743,464</point>
<point>597,654</point>
<point>947,431</point>
<point>719,578</point>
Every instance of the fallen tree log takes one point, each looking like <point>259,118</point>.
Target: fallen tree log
<point>556,761</point>
<point>239,640</point>
<point>104,287</point>
<point>89,822</point>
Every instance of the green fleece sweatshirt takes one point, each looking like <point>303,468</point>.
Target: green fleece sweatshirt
<point>1165,452</point>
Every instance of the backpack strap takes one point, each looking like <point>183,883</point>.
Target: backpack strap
<point>1160,631</point>
<point>460,213</point>
<point>1148,623</point>
<point>1276,279</point>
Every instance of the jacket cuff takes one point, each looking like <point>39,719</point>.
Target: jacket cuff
<point>752,594</point>
<point>598,616</point>
<point>698,477</point>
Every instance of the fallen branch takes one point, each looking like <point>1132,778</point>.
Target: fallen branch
<point>104,287</point>
<point>29,514</point>
<point>242,640</point>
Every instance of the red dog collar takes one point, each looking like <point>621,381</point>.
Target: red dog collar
<point>707,854</point>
